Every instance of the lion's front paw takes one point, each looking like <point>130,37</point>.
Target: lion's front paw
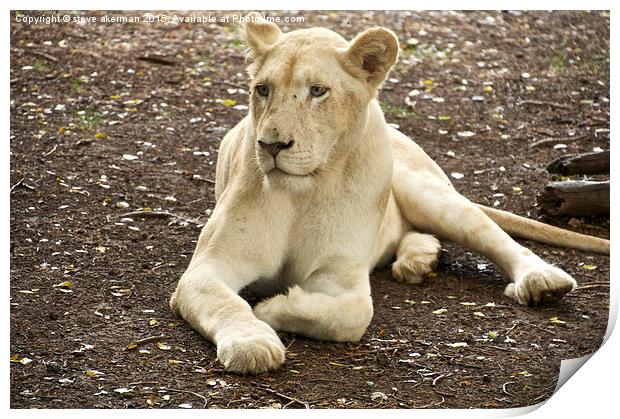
<point>253,352</point>
<point>543,285</point>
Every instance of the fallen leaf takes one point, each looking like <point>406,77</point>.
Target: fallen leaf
<point>163,346</point>
<point>377,395</point>
<point>93,373</point>
<point>465,134</point>
<point>457,345</point>
<point>555,320</point>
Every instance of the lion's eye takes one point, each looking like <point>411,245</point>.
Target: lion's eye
<point>317,91</point>
<point>262,90</point>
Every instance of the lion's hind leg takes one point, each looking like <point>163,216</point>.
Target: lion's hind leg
<point>416,257</point>
<point>432,205</point>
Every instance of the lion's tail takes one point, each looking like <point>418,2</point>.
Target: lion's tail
<point>518,226</point>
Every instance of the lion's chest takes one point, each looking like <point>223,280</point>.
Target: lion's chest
<point>323,235</point>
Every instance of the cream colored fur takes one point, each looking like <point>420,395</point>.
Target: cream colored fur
<point>348,194</point>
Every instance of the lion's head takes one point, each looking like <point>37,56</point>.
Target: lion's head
<point>310,90</point>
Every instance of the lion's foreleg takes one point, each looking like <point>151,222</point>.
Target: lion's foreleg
<point>433,206</point>
<point>206,297</point>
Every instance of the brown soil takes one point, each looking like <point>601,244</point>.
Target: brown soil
<point>82,96</point>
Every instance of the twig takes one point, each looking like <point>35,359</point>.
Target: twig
<point>51,151</point>
<point>541,328</point>
<point>498,347</point>
<point>44,55</point>
<point>506,391</point>
<point>162,214</point>
<point>556,140</point>
<point>157,59</point>
<point>19,182</point>
<point>442,393</point>
<point>463,364</point>
<point>542,103</point>
<point>141,383</point>
<point>50,76</point>
<point>291,399</point>
<point>198,177</point>
<point>593,285</point>
<point>541,396</point>
<point>433,404</point>
<point>440,377</point>
<point>326,380</point>
<point>290,344</point>
<point>512,328</point>
<point>174,390</point>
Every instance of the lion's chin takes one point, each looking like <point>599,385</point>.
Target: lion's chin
<point>281,179</point>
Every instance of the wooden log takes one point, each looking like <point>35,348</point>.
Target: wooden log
<point>581,164</point>
<point>575,198</point>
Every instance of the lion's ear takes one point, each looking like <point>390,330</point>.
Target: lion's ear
<point>374,51</point>
<point>259,34</point>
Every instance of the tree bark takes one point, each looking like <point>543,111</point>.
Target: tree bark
<point>581,164</point>
<point>575,198</point>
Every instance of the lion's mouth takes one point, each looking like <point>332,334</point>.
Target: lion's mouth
<point>278,171</point>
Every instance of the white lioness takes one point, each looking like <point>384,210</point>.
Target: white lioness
<point>314,190</point>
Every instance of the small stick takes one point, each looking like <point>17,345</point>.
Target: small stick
<point>51,151</point>
<point>542,103</point>
<point>433,404</point>
<point>506,391</point>
<point>157,59</point>
<point>556,140</point>
<point>141,383</point>
<point>291,399</point>
<point>440,377</point>
<point>498,347</point>
<point>44,55</point>
<point>594,285</point>
<point>19,182</point>
<point>541,328</point>
<point>157,214</point>
<point>211,181</point>
<point>512,328</point>
<point>188,392</point>
<point>541,396</point>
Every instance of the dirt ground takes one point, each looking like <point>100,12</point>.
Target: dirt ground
<point>108,119</point>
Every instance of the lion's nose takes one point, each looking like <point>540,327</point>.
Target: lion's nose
<point>275,148</point>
